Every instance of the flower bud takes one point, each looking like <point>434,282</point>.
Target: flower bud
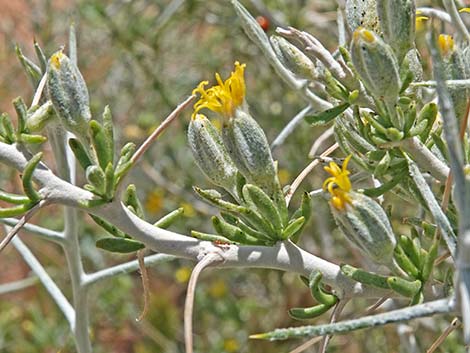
<point>293,58</point>
<point>210,154</point>
<point>362,13</point>
<point>366,225</point>
<point>68,93</point>
<point>397,22</point>
<point>248,147</point>
<point>376,64</point>
<point>455,69</point>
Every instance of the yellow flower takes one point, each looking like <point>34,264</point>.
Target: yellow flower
<point>182,274</point>
<point>338,185</point>
<point>231,345</point>
<point>446,44</point>
<point>188,209</point>
<point>226,96</point>
<point>154,201</point>
<point>218,289</point>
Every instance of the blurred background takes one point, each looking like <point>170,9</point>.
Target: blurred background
<point>142,58</point>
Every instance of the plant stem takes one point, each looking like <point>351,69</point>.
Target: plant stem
<point>425,159</point>
<point>125,268</point>
<point>71,247</point>
<point>46,280</point>
<point>441,306</point>
<point>43,233</point>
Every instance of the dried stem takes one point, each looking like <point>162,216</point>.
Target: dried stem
<point>453,325</point>
<point>145,284</point>
<point>334,317</point>
<point>148,142</point>
<point>296,183</point>
<point>189,302</point>
<point>13,231</point>
<point>307,345</point>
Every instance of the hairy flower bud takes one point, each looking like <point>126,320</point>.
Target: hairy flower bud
<point>293,58</point>
<point>249,149</point>
<point>366,225</point>
<point>68,93</point>
<point>398,24</point>
<point>362,13</point>
<point>376,64</point>
<point>455,69</point>
<point>210,154</point>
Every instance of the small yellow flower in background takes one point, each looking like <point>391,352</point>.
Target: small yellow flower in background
<point>420,21</point>
<point>465,9</point>
<point>182,274</point>
<point>446,44</point>
<point>218,289</point>
<point>133,132</point>
<point>284,176</point>
<point>188,209</point>
<point>226,96</point>
<point>338,185</point>
<point>154,201</point>
<point>231,345</point>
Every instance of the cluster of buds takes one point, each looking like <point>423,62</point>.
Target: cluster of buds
<point>238,159</point>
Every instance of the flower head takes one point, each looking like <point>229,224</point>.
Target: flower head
<point>338,185</point>
<point>446,44</point>
<point>226,96</point>
<point>420,18</point>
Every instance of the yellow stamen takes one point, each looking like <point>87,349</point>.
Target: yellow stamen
<point>224,97</point>
<point>55,59</point>
<point>338,185</point>
<point>364,34</point>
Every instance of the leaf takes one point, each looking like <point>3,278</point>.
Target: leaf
<point>119,245</point>
<point>327,115</point>
<point>431,202</point>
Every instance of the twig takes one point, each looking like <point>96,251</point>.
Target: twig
<point>145,284</point>
<point>453,325</point>
<point>334,317</point>
<point>456,19</point>
<point>125,268</point>
<point>376,305</point>
<point>13,231</point>
<point>189,302</point>
<point>320,140</point>
<point>295,184</point>
<point>44,233</point>
<point>449,83</point>
<point>307,345</point>
<point>441,306</point>
<point>148,142</point>
<point>425,159</point>
<point>442,258</point>
<point>10,287</point>
<point>436,13</point>
<point>289,128</point>
<point>47,281</point>
<point>38,93</point>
